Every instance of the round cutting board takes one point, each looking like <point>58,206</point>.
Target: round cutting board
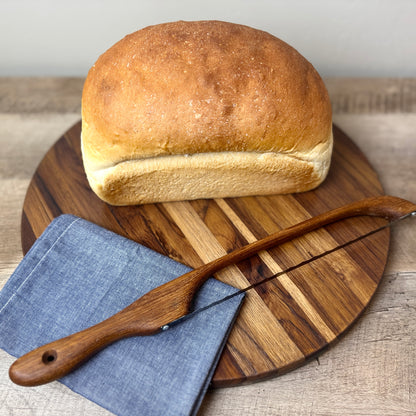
<point>283,322</point>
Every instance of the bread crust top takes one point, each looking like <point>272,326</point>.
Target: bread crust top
<point>199,87</point>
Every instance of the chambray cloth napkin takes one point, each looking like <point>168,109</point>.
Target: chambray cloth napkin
<point>78,274</point>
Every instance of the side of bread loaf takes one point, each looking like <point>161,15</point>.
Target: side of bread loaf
<point>209,109</point>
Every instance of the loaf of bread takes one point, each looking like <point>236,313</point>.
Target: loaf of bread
<point>205,109</point>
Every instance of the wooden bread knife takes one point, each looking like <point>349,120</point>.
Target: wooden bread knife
<point>170,302</point>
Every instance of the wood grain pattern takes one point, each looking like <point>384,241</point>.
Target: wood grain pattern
<point>283,322</point>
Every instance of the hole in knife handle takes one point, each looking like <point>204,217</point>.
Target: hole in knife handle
<point>49,357</point>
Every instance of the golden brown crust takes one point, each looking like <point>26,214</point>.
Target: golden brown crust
<point>203,88</point>
<point>194,87</point>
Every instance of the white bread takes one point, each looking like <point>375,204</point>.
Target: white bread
<point>206,109</point>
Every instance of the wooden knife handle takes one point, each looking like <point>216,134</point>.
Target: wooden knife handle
<point>170,301</point>
<point>145,316</point>
<point>54,360</point>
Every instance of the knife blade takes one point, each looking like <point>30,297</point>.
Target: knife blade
<point>169,304</point>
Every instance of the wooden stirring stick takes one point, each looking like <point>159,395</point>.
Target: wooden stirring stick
<point>172,300</point>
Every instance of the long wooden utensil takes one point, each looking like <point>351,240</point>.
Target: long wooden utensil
<point>167,303</point>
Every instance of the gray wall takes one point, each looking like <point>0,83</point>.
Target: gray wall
<point>340,37</point>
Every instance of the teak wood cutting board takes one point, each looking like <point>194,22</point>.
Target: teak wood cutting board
<point>283,322</point>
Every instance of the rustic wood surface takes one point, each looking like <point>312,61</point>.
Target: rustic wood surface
<point>370,372</point>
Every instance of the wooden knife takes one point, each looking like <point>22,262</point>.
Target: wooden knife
<point>170,302</point>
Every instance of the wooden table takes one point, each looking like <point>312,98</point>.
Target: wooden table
<point>371,371</point>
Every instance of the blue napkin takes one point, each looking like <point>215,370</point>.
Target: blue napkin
<point>78,274</point>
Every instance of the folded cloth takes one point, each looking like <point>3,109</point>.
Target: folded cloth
<point>78,274</point>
